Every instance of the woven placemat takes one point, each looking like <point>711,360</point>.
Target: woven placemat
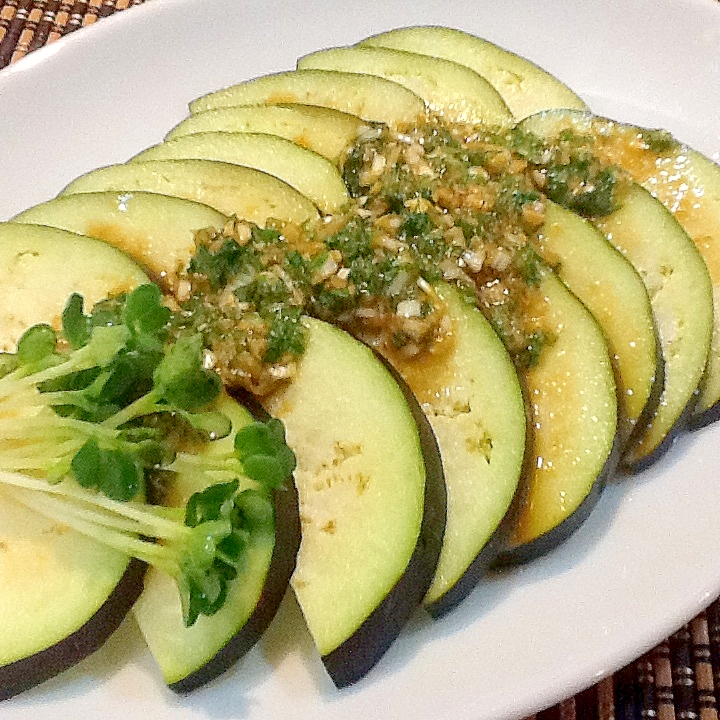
<point>26,25</point>
<point>677,680</point>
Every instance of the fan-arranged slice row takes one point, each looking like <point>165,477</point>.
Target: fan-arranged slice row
<point>680,291</point>
<point>371,98</point>
<point>326,131</point>
<point>453,90</point>
<point>310,174</point>
<point>525,87</point>
<point>601,454</point>
<point>688,184</point>
<point>482,444</point>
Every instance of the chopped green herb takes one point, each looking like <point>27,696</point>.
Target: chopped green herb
<point>659,141</point>
<point>583,186</point>
<point>286,334</point>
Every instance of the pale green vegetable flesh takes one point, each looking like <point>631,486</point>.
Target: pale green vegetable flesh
<point>525,88</point>
<point>53,580</point>
<point>370,98</point>
<point>360,480</point>
<point>681,295</point>
<point>156,230</point>
<point>481,441</point>
<point>179,650</point>
<point>455,91</point>
<point>229,189</point>
<point>31,256</point>
<point>573,422</point>
<point>608,285</point>
<point>310,174</point>
<point>326,131</point>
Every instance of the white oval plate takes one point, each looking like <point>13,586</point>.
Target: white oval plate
<point>647,559</point>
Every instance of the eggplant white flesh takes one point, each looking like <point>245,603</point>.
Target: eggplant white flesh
<point>61,594</point>
<point>372,500</point>
<point>572,403</point>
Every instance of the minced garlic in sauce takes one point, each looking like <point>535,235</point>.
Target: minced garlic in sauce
<point>428,204</point>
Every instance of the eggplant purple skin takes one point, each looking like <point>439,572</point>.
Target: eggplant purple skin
<point>705,418</point>
<point>357,655</point>
<point>483,562</point>
<point>28,672</point>
<point>519,554</point>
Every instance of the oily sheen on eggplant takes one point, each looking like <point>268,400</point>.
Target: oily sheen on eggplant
<point>543,521</point>
<point>469,391</point>
<point>609,286</point>
<point>572,401</point>
<point>688,185</point>
<point>61,594</point>
<point>681,294</point>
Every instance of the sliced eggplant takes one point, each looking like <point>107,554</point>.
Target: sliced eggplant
<point>190,657</point>
<point>607,284</point>
<point>460,94</point>
<point>525,87</point>
<point>468,389</point>
<point>572,403</point>
<point>61,594</point>
<point>681,296</point>
<point>310,174</point>
<point>324,130</point>
<point>157,230</point>
<point>372,500</point>
<point>313,411</point>
<point>229,189</point>
<point>370,97</point>
<point>33,289</point>
<point>688,184</point>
